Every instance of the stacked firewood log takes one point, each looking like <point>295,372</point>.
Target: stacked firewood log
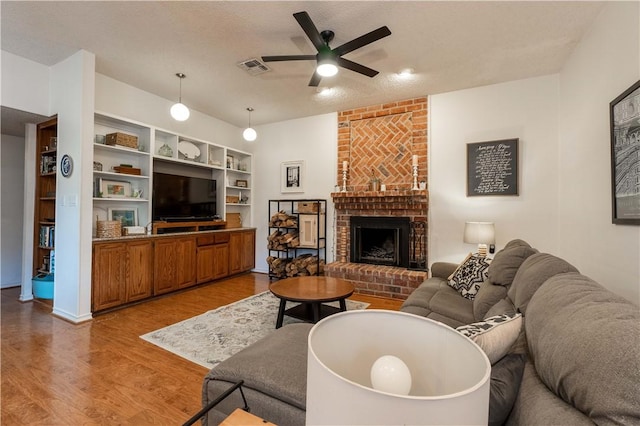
<point>280,240</point>
<point>283,220</point>
<point>303,265</point>
<point>277,266</point>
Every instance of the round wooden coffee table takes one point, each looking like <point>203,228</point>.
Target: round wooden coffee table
<point>311,293</point>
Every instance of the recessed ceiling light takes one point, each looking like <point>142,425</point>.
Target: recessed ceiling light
<point>406,73</point>
<point>325,91</point>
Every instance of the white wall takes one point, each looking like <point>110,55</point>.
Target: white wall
<point>25,84</point>
<point>312,139</point>
<point>604,64</point>
<point>12,205</point>
<point>524,109</point>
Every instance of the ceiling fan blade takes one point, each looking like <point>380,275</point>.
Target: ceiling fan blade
<point>310,29</point>
<point>357,43</point>
<point>289,58</point>
<point>353,66</point>
<point>315,80</point>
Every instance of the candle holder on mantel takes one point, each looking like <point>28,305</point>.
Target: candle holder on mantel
<point>415,178</point>
<point>344,180</point>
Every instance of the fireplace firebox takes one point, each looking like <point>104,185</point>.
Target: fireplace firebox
<point>380,240</point>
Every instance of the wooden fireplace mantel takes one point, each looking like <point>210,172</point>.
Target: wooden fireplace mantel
<point>402,199</point>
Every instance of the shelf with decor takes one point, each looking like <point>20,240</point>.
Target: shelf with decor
<point>121,171</point>
<point>45,195</point>
<point>238,183</point>
<point>297,237</point>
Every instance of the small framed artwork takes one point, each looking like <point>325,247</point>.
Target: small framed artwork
<point>230,162</point>
<point>114,188</point>
<point>624,114</point>
<point>292,176</point>
<point>127,217</point>
<point>242,183</point>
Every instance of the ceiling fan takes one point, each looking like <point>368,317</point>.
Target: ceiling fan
<point>329,59</point>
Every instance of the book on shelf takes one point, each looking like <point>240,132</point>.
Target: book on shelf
<point>47,236</point>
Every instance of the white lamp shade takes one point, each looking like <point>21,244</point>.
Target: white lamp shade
<point>180,112</point>
<point>479,233</point>
<point>249,134</point>
<point>450,373</point>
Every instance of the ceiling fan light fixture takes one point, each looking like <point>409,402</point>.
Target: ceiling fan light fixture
<point>249,134</point>
<point>327,68</point>
<point>179,111</point>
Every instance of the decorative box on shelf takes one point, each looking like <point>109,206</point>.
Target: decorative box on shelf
<point>233,199</point>
<point>123,139</point>
<point>126,170</point>
<point>234,220</point>
<point>308,207</point>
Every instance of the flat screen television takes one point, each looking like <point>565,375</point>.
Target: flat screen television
<point>183,198</point>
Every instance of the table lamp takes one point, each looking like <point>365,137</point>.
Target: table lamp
<point>449,374</point>
<point>481,233</point>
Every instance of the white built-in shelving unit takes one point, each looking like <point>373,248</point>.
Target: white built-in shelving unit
<point>168,152</point>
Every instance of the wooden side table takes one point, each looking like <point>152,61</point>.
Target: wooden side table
<point>242,418</point>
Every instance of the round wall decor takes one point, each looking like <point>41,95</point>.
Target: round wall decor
<point>66,165</point>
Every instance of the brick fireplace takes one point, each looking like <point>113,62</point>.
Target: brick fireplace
<point>381,141</point>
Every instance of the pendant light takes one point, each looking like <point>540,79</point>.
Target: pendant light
<point>249,133</point>
<point>179,111</point>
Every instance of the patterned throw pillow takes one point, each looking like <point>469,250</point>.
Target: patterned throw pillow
<point>495,335</point>
<point>470,274</point>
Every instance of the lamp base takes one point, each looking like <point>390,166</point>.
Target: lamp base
<point>482,250</point>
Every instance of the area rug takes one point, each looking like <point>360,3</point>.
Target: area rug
<point>214,336</point>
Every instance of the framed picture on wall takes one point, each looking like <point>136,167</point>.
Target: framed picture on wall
<point>492,168</point>
<point>292,176</point>
<point>624,114</point>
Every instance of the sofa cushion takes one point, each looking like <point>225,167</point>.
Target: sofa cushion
<point>469,275</point>
<point>436,300</point>
<point>504,306</point>
<point>533,272</point>
<point>495,335</point>
<point>506,376</point>
<point>274,370</point>
<point>583,341</point>
<point>488,295</point>
<point>507,261</point>
<point>537,405</point>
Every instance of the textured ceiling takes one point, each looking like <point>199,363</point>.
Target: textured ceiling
<point>451,45</point>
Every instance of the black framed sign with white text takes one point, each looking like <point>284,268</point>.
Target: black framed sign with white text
<point>492,168</point>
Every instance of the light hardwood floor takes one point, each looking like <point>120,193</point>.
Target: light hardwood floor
<point>100,372</point>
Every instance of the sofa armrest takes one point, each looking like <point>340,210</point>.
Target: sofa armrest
<point>443,269</point>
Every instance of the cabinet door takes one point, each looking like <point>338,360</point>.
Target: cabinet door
<point>165,264</point>
<point>235,253</point>
<point>186,267</point>
<point>108,283</point>
<point>308,233</point>
<point>248,250</point>
<point>139,270</point>
<point>220,261</point>
<point>205,260</point>
<point>174,264</point>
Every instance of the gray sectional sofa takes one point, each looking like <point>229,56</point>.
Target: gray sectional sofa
<point>577,360</point>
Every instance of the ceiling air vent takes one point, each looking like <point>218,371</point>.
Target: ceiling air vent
<point>254,66</point>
